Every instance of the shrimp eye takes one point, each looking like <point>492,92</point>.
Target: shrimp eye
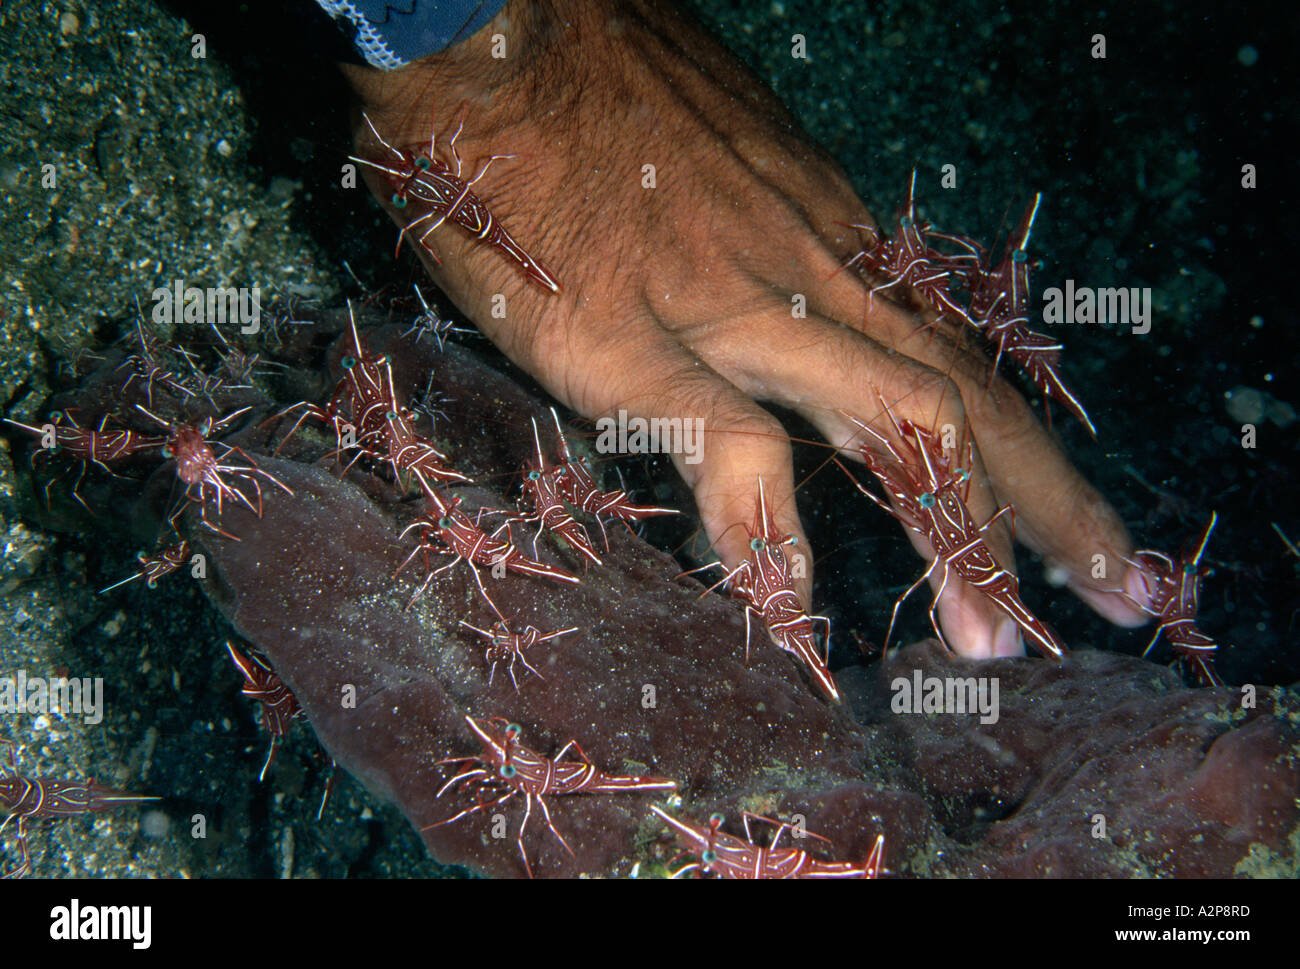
<point>398,200</point>
<point>513,730</point>
<point>905,222</point>
<point>166,451</point>
<point>534,475</point>
<point>508,770</point>
<point>422,163</point>
<point>709,856</point>
<point>716,818</point>
<point>757,544</point>
<point>927,500</point>
<point>391,415</point>
<point>347,363</point>
<point>963,475</point>
<point>444,523</point>
<point>1018,256</point>
<point>151,583</point>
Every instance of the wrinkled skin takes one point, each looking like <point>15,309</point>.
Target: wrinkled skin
<point>676,300</point>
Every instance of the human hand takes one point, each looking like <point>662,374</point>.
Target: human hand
<point>676,299</point>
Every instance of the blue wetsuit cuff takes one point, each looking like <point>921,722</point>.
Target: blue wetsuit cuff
<point>392,33</point>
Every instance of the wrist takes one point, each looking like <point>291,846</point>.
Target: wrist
<point>519,46</point>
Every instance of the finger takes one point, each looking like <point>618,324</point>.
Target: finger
<point>828,372</point>
<point>739,443</point>
<point>1058,513</point>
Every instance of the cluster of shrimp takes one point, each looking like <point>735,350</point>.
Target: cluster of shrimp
<point>506,769</point>
<point>928,494</point>
<point>213,474</point>
<point>998,297</point>
<point>553,493</point>
<point>372,427</point>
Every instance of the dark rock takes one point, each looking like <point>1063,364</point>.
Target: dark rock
<point>1185,780</point>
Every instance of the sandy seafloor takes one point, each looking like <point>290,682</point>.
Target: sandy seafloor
<point>222,168</point>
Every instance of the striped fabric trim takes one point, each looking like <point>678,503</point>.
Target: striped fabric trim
<point>391,35</point>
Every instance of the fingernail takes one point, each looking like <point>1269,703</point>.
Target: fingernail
<point>1123,605</point>
<point>1007,641</point>
<point>1135,584</point>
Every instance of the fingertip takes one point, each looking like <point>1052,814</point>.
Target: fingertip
<point>1137,588</point>
<point>733,510</point>
<point>1123,606</point>
<point>974,627</point>
<point>1007,641</point>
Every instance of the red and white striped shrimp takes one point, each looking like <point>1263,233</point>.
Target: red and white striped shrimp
<point>506,763</point>
<point>507,646</point>
<point>999,308</point>
<point>929,497</point>
<point>206,474</point>
<point>43,797</point>
<point>907,258</point>
<point>446,530</point>
<point>154,567</point>
<point>765,583</point>
<point>280,708</point>
<point>574,483</point>
<point>724,855</point>
<point>1174,599</point>
<point>61,434</point>
<point>431,182</point>
<point>541,486</point>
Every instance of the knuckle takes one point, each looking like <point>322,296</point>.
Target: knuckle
<point>939,399</point>
<point>740,420</point>
<point>1003,409</point>
<point>682,390</point>
<point>1084,505</point>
